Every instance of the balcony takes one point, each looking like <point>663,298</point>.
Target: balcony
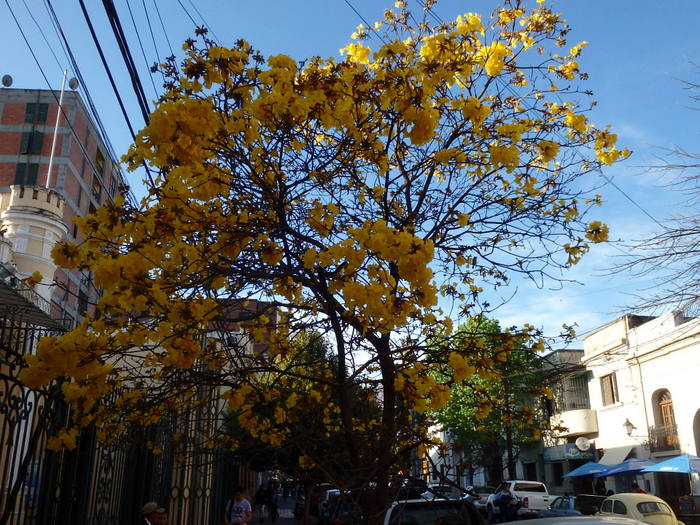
<point>663,438</point>
<point>579,422</point>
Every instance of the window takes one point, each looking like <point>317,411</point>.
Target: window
<point>36,113</point>
<point>112,187</point>
<point>31,143</point>
<point>80,197</point>
<point>26,174</point>
<point>99,162</point>
<point>82,302</point>
<point>608,387</point>
<point>96,188</point>
<point>652,507</point>
<point>619,507</point>
<point>607,506</point>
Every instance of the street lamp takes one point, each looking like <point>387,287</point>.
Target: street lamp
<point>629,427</point>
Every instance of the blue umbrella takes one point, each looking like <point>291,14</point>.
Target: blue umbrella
<point>684,464</point>
<point>630,466</point>
<point>587,469</point>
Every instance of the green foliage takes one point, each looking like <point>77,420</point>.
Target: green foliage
<point>484,411</point>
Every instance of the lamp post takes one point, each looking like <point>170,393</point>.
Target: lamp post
<point>629,427</point>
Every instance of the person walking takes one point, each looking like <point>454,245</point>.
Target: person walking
<point>238,510</point>
<point>273,500</point>
<point>260,502</point>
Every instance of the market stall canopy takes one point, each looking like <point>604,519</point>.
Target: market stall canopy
<point>684,464</point>
<point>587,469</point>
<point>630,466</point>
<point>615,456</point>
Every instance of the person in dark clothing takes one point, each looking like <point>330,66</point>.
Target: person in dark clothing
<point>260,500</point>
<point>507,507</point>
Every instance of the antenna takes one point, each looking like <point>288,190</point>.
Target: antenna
<point>6,80</point>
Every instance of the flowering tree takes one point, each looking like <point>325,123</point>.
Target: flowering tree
<point>359,197</point>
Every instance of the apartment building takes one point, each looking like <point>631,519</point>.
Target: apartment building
<point>34,136</point>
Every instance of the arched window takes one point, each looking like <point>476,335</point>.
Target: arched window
<point>666,434</point>
<point>667,419</point>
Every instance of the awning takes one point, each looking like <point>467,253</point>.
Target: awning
<point>614,456</point>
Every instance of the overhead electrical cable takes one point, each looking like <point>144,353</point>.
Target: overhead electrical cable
<point>162,25</point>
<point>83,85</point>
<point>209,28</point>
<point>87,157</point>
<point>150,30</point>
<point>369,26</point>
<point>107,69</point>
<point>143,51</point>
<point>43,35</point>
<point>128,58</point>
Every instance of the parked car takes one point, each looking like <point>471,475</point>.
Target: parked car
<point>342,511</point>
<point>643,507</point>
<point>580,520</point>
<point>318,495</point>
<point>533,496</point>
<point>435,512</point>
<point>434,491</point>
<point>581,504</point>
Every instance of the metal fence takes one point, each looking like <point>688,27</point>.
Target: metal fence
<point>97,483</point>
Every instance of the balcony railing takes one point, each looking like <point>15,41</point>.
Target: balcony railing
<point>663,438</point>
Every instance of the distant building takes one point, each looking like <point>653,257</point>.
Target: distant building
<point>83,176</point>
<point>644,374</point>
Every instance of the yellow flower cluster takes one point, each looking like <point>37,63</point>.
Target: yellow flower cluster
<point>349,190</point>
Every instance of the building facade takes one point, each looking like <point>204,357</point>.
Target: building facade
<point>643,376</point>
<point>35,135</point>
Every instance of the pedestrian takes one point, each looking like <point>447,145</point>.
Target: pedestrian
<point>636,488</point>
<point>600,486</point>
<point>161,516</point>
<point>260,501</point>
<point>273,500</point>
<point>150,513</point>
<point>503,501</point>
<point>238,510</point>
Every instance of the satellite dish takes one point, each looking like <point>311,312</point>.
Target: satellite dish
<point>6,80</point>
<point>73,83</point>
<point>583,443</point>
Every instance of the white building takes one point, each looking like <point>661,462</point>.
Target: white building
<point>644,372</point>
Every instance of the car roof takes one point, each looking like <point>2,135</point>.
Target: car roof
<point>635,496</point>
<point>580,520</point>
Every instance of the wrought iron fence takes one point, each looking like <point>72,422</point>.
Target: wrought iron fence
<point>97,483</point>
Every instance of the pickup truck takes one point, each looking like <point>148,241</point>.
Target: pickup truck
<point>434,512</point>
<point>533,496</point>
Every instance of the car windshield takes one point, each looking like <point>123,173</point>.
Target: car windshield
<point>652,507</point>
<point>530,487</point>
<point>430,513</point>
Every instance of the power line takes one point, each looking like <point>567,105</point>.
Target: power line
<point>43,35</point>
<point>162,25</point>
<point>143,52</point>
<point>209,28</point>
<point>369,26</point>
<point>129,196</point>
<point>645,212</point>
<point>150,29</point>
<point>107,69</point>
<point>128,58</point>
<point>92,109</point>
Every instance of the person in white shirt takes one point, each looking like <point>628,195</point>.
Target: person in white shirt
<point>238,510</point>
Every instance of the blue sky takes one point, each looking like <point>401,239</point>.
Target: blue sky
<point>638,54</point>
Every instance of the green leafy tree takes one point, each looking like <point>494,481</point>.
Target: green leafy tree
<point>491,417</point>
